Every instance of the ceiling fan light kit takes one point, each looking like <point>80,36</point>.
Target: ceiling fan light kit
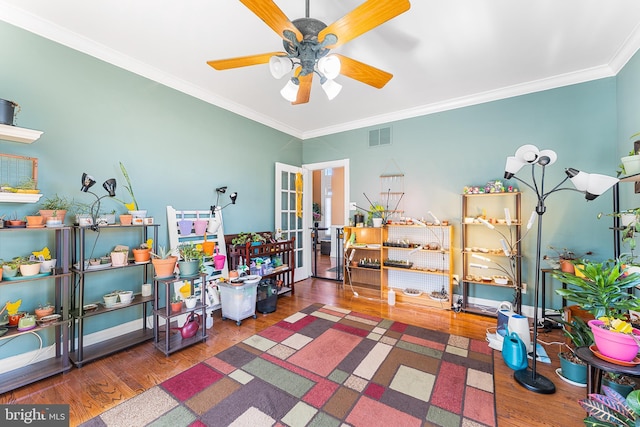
<point>307,43</point>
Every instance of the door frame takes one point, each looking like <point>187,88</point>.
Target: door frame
<point>307,200</point>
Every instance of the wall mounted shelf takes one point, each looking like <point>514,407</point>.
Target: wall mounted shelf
<point>16,134</point>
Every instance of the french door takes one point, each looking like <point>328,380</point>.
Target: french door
<point>290,215</point>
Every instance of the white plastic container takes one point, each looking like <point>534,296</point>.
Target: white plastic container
<point>239,300</point>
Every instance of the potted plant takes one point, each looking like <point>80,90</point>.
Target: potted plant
<point>176,304</point>
<point>55,207</point>
<point>44,310</point>
<point>580,335</point>
<point>28,267</point>
<point>623,384</point>
<point>133,207</point>
<point>376,215</point>
<point>190,262</point>
<point>120,256</point>
<point>611,408</point>
<point>35,220</point>
<point>142,254</point>
<point>564,259</point>
<point>241,239</point>
<point>164,263</point>
<point>602,289</point>
<point>10,268</point>
<point>257,239</point>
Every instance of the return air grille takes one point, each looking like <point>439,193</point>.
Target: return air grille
<point>379,137</point>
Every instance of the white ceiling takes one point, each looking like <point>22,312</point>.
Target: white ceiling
<point>443,54</point>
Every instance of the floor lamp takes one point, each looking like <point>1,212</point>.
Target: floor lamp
<point>592,185</point>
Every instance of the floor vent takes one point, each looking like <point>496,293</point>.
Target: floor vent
<point>379,137</point>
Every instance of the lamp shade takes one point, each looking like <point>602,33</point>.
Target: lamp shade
<point>592,184</point>
<point>290,91</point>
<point>598,184</point>
<point>528,153</point>
<point>512,167</point>
<point>110,186</point>
<point>547,157</point>
<point>279,66</point>
<point>579,179</point>
<point>331,88</point>
<point>329,66</point>
<point>87,182</point>
<point>233,196</point>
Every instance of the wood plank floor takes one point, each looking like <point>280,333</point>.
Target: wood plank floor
<point>104,383</point>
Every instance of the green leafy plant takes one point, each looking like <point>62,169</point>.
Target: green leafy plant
<point>189,252</point>
<point>603,289</point>
<point>133,206</point>
<point>57,203</point>
<point>163,253</point>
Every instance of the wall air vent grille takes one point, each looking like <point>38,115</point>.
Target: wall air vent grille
<point>379,137</point>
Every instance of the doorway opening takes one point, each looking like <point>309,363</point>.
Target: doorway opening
<point>329,188</point>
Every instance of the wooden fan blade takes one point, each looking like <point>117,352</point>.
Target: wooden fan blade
<point>243,61</point>
<point>362,72</point>
<point>304,92</point>
<point>273,16</point>
<point>363,18</point>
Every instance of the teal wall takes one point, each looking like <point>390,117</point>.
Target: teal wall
<point>441,153</point>
<point>177,149</point>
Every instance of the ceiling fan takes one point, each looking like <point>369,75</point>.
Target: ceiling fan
<point>307,42</point>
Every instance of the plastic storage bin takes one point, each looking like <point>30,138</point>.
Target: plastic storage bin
<point>238,300</point>
<point>267,296</point>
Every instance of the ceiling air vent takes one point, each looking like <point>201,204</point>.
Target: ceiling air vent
<point>379,137</point>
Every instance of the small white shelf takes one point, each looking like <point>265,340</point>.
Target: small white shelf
<point>16,134</point>
<point>19,197</point>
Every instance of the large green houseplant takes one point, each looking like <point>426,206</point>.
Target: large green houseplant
<point>602,289</point>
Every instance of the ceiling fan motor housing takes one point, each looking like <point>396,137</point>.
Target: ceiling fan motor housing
<point>309,50</point>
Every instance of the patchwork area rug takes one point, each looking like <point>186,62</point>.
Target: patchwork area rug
<point>325,366</point>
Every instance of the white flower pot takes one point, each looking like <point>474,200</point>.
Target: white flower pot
<point>631,164</point>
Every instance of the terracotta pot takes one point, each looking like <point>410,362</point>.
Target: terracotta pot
<point>567,266</point>
<point>15,318</point>
<point>34,220</point>
<point>176,307</point>
<point>43,311</point>
<point>48,213</point>
<point>141,255</point>
<point>125,219</point>
<point>164,267</point>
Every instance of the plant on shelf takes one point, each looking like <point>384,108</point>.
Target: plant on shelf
<point>164,262</point>
<point>241,239</point>
<point>260,238</point>
<point>564,259</point>
<point>11,307</point>
<point>376,210</point>
<point>611,408</point>
<point>630,225</point>
<point>133,206</point>
<point>189,252</point>
<point>163,253</point>
<point>602,289</point>
<point>55,207</point>
<point>143,252</point>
